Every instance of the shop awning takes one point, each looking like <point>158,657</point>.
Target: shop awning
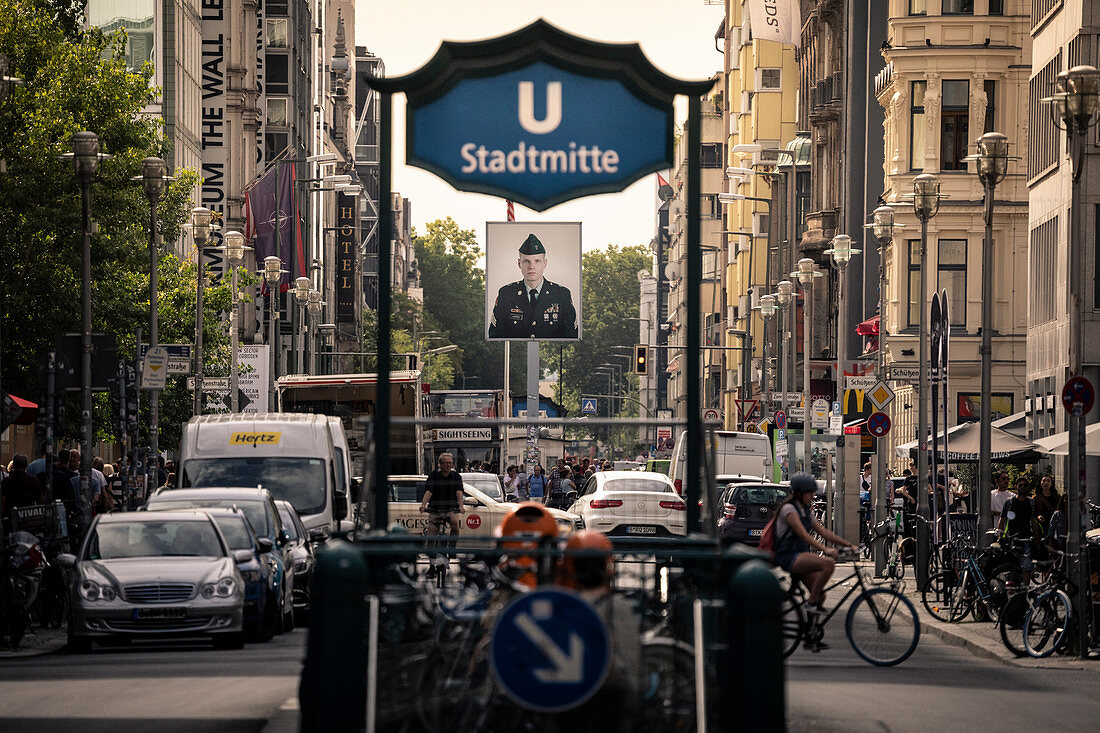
<point>27,411</point>
<point>1058,444</point>
<point>868,327</point>
<point>964,442</point>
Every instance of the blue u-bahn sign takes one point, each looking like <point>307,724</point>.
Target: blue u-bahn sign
<point>540,116</point>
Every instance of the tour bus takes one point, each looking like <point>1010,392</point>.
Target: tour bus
<point>293,456</point>
<point>467,443</point>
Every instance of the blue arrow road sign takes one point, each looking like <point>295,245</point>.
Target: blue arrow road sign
<point>588,405</point>
<point>550,650</point>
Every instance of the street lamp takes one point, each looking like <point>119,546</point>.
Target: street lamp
<point>784,296</point>
<point>992,159</point>
<point>1074,107</point>
<point>926,204</point>
<point>154,181</point>
<point>805,275</point>
<point>86,158</point>
<point>882,227</point>
<point>234,247</point>
<point>842,252</point>
<point>272,274</point>
<point>767,309</point>
<point>302,286</point>
<point>202,224</point>
<point>314,306</point>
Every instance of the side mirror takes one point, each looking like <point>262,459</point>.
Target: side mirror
<point>469,501</point>
<point>356,488</point>
<point>240,556</point>
<point>318,534</point>
<point>284,537</point>
<point>265,544</point>
<point>340,504</point>
<point>511,498</point>
<point>66,560</point>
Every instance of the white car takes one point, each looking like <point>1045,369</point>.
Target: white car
<point>481,517</point>
<point>487,483</point>
<point>640,503</point>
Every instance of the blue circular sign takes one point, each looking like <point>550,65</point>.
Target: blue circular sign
<point>878,424</point>
<point>1078,396</point>
<point>780,419</point>
<point>550,650</point>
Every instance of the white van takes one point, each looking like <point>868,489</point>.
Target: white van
<point>292,455</point>
<point>735,454</point>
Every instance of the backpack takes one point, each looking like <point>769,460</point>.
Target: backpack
<point>767,539</point>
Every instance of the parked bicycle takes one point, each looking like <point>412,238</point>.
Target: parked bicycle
<point>881,624</point>
<point>1019,604</point>
<point>977,584</point>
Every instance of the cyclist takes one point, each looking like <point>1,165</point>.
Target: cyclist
<point>443,497</point>
<point>793,542</point>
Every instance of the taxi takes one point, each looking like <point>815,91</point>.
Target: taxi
<point>481,517</point>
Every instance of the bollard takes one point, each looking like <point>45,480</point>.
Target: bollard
<point>751,672</point>
<point>332,692</point>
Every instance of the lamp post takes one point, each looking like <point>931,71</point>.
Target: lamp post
<point>86,162</point>
<point>272,274</point>
<point>1075,106</point>
<point>302,286</point>
<point>926,204</point>
<point>328,340</point>
<point>883,227</point>
<point>805,276</point>
<point>233,244</point>
<point>153,182</point>
<point>992,160</point>
<point>841,252</point>
<point>784,297</point>
<point>202,223</point>
<point>314,305</point>
<point>767,309</point>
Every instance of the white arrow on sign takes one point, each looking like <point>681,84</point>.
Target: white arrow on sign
<point>567,669</point>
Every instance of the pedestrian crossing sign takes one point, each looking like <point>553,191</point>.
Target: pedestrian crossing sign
<point>588,405</point>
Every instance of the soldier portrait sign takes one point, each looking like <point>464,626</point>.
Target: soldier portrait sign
<point>533,281</point>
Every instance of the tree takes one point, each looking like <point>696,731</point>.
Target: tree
<point>408,319</point>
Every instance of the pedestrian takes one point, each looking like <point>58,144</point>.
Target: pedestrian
<point>567,484</point>
<point>865,482</point>
<point>62,479</point>
<point>1015,525</point>
<point>18,489</point>
<point>511,481</point>
<point>1046,502</point>
<point>537,485</point>
<point>555,478</point>
<point>998,496</point>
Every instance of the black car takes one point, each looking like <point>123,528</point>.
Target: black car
<point>747,508</point>
<point>302,559</point>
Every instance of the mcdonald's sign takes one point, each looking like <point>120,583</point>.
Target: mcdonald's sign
<point>857,405</point>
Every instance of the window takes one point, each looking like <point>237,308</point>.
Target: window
<point>769,80</point>
<point>276,73</point>
<point>915,301</point>
<point>1043,142</point>
<point>274,144</point>
<point>709,207</point>
<point>958,7</point>
<point>916,125</point>
<point>1041,271</point>
<point>710,265</point>
<point>275,7</point>
<point>990,105</point>
<point>1040,9</point>
<point>276,111</point>
<point>954,125</point>
<point>761,223</point>
<point>952,278</point>
<point>710,155</point>
<point>996,7</point>
<point>276,32</point>
<point>918,7</point>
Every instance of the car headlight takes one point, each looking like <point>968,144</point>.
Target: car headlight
<point>250,576</point>
<point>224,588</point>
<point>92,591</point>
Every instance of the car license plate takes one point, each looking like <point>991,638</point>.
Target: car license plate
<point>756,532</point>
<point>641,530</point>
<point>160,612</point>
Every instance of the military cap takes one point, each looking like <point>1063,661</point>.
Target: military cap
<point>532,246</point>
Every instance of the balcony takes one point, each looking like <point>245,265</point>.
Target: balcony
<point>825,97</point>
<point>820,230</point>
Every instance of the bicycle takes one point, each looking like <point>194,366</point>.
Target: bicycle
<point>888,533</point>
<point>1019,604</point>
<point>952,594</point>
<point>881,624</point>
<point>439,560</point>
<point>1049,619</point>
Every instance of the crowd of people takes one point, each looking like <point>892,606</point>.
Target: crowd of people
<point>567,475</point>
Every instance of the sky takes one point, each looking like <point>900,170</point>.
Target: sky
<point>676,35</point>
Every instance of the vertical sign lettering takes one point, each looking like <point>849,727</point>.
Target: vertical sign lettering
<point>347,251</point>
<point>215,130</point>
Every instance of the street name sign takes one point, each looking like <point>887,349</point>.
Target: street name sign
<point>550,650</point>
<point>904,373</point>
<point>179,357</point>
<point>861,382</point>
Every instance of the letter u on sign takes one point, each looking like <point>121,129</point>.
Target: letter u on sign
<point>550,122</point>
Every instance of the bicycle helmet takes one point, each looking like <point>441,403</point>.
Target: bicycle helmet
<point>579,568</point>
<point>526,528</point>
<point>803,483</point>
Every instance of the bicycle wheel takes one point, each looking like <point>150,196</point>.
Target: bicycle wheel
<point>1011,623</point>
<point>944,596</point>
<point>882,627</point>
<point>668,686</point>
<point>1046,624</point>
<point>794,622</point>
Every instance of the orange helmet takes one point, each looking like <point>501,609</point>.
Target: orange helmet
<point>524,529</point>
<point>584,569</point>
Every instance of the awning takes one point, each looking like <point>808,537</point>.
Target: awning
<point>868,327</point>
<point>27,411</point>
<point>964,441</point>
<point>1058,444</point>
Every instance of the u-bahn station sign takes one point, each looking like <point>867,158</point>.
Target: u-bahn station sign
<point>539,116</point>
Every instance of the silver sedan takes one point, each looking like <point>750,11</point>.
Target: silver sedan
<point>151,575</point>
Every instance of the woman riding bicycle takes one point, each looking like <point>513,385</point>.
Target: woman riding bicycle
<point>793,541</point>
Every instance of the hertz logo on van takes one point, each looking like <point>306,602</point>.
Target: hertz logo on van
<point>254,439</point>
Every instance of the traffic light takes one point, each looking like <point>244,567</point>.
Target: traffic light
<point>641,359</point>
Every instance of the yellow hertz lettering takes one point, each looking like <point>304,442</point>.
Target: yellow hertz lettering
<point>254,439</point>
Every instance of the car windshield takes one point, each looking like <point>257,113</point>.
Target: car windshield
<point>406,491</point>
<point>235,531</point>
<point>487,483</point>
<point>254,510</point>
<point>190,538</point>
<point>288,523</point>
<point>635,484</point>
<point>757,495</point>
<point>301,481</point>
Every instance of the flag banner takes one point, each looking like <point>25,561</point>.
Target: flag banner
<point>776,20</point>
<point>271,207</point>
<point>664,189</point>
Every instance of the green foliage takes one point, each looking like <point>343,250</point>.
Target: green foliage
<point>407,319</point>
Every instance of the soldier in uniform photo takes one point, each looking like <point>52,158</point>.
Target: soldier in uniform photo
<point>534,307</point>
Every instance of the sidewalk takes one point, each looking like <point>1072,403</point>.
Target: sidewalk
<point>37,642</point>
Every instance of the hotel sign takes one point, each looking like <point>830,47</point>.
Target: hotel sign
<point>347,251</point>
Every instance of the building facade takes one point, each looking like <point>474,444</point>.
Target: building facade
<point>955,70</point>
